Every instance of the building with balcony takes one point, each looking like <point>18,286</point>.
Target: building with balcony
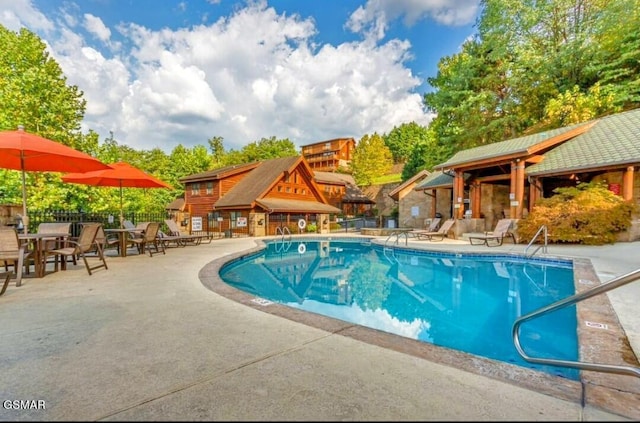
<point>328,156</point>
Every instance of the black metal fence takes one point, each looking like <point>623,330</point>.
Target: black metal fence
<point>208,223</point>
<point>108,219</point>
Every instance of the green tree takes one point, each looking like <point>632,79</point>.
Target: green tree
<point>217,151</point>
<point>528,58</point>
<point>264,149</point>
<point>34,93</point>
<point>401,140</point>
<point>371,159</point>
<point>425,154</point>
<point>574,106</point>
<point>616,52</point>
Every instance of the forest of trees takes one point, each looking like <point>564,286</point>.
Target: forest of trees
<point>531,66</point>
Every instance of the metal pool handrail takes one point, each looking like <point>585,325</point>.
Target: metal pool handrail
<point>542,229</point>
<point>606,368</point>
<point>397,235</point>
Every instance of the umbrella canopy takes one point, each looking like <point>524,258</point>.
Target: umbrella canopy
<point>119,174</point>
<point>27,152</point>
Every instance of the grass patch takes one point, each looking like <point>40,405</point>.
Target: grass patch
<point>387,179</point>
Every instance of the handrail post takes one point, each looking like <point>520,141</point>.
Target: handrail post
<point>542,229</point>
<point>606,368</point>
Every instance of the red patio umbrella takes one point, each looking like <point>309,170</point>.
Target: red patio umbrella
<point>119,174</point>
<point>24,151</point>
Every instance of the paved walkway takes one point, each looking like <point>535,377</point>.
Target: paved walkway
<point>146,340</point>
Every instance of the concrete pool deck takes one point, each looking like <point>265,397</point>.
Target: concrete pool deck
<point>147,340</point>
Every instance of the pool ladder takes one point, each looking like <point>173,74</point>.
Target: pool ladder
<point>397,235</point>
<point>284,245</point>
<point>543,230</point>
<point>606,368</point>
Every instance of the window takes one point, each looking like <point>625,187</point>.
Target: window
<point>209,188</point>
<point>279,188</point>
<point>195,189</point>
<point>288,189</point>
<point>327,146</point>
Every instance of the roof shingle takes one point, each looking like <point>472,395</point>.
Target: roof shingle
<point>613,141</point>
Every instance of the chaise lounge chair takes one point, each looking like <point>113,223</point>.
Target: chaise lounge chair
<point>496,237</point>
<point>174,230</point>
<point>440,234</point>
<point>433,227</point>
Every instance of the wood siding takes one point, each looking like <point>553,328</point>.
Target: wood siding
<point>202,203</point>
<point>329,155</point>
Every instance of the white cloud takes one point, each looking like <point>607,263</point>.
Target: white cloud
<point>374,17</point>
<point>15,14</point>
<point>95,26</point>
<point>249,75</point>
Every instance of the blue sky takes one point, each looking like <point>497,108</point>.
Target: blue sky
<point>163,73</point>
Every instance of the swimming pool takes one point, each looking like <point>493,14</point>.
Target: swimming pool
<point>463,302</point>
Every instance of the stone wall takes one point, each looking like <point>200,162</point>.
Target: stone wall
<point>418,201</point>
<point>380,194</point>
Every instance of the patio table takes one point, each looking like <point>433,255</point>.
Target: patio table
<point>122,237</point>
<point>38,240</point>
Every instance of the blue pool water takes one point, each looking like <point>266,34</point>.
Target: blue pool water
<point>467,303</point>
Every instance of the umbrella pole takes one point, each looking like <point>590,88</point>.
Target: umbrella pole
<point>25,218</point>
<point>121,215</point>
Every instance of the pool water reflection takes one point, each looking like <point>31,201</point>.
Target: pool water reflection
<point>467,303</point>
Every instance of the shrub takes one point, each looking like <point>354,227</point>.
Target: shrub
<point>312,227</point>
<point>586,214</point>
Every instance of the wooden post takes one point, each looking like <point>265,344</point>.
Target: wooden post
<point>535,192</point>
<point>476,200</point>
<point>458,195</point>
<point>627,184</point>
<point>519,188</point>
<point>512,191</point>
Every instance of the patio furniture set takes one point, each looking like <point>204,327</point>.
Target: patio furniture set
<point>53,244</point>
<point>494,238</point>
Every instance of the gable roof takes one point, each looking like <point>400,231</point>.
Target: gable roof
<point>613,141</point>
<point>177,204</point>
<point>353,194</point>
<point>333,178</point>
<point>219,173</point>
<point>437,179</point>
<point>516,147</point>
<point>415,179</point>
<point>258,181</point>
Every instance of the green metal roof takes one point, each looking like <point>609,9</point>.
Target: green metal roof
<point>436,179</point>
<point>613,141</point>
<point>503,148</point>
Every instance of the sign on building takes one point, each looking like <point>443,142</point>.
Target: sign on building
<point>241,222</point>
<point>196,223</point>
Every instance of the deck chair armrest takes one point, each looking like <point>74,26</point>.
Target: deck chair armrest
<point>24,251</point>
